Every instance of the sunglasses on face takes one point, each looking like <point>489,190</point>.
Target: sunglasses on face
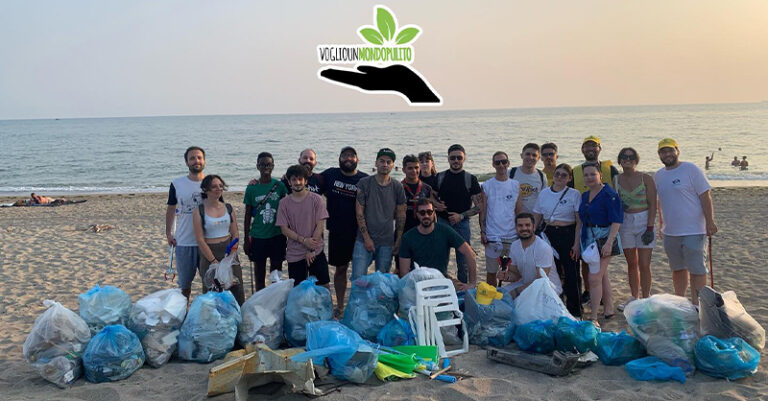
<point>456,157</point>
<point>627,157</point>
<point>500,162</point>
<point>426,212</point>
<point>562,175</point>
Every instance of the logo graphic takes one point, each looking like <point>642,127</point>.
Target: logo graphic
<point>382,63</point>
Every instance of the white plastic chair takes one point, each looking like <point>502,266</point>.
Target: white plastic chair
<point>432,297</point>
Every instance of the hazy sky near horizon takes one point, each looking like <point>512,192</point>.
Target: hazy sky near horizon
<point>136,58</point>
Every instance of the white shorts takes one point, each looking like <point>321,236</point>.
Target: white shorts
<point>633,228</point>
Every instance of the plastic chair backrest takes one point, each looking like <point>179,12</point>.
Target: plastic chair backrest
<point>432,297</point>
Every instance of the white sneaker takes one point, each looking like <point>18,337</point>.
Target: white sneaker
<point>624,305</point>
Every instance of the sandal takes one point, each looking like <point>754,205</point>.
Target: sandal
<point>609,317</point>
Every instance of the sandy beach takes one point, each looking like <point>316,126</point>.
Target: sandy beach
<point>48,253</point>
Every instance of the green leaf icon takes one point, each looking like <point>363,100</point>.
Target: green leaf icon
<point>372,36</point>
<point>386,23</point>
<point>406,35</point>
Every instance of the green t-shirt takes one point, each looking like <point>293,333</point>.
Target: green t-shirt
<point>263,218</point>
<point>433,249</point>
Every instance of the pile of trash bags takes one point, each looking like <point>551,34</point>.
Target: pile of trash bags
<point>668,327</point>
<point>539,301</point>
<point>102,306</point>
<point>731,358</point>
<point>210,329</point>
<point>306,303</point>
<point>407,295</point>
<point>113,354</point>
<point>55,345</point>
<point>491,324</point>
<point>537,336</point>
<point>723,316</point>
<point>616,349</point>
<point>156,320</point>
<point>653,368</point>
<point>372,302</point>
<point>349,356</point>
<point>396,332</point>
<point>264,315</point>
<point>575,336</point>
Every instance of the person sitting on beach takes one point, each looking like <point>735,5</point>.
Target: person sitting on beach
<point>430,243</point>
<point>527,255</point>
<point>637,191</point>
<point>744,164</point>
<point>215,227</point>
<point>44,200</point>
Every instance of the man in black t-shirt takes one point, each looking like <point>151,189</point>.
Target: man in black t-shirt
<point>460,197</point>
<point>340,189</point>
<point>415,189</point>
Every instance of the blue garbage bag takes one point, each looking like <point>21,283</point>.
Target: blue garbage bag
<point>349,357</point>
<point>730,358</point>
<point>113,354</point>
<point>210,328</point>
<point>572,335</point>
<point>653,368</point>
<point>372,302</point>
<point>307,302</point>
<point>102,306</point>
<point>616,349</point>
<point>537,336</point>
<point>396,332</point>
<point>491,324</point>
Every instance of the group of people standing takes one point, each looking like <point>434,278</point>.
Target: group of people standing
<point>530,220</point>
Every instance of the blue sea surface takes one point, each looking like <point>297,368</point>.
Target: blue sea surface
<point>143,154</point>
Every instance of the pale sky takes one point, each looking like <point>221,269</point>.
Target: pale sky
<point>137,58</point>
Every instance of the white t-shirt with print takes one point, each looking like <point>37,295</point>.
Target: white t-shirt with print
<point>500,213</point>
<point>531,186</point>
<point>188,197</point>
<point>679,191</point>
<point>549,204</point>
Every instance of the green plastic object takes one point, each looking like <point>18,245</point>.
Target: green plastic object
<point>426,352</point>
<point>403,363</point>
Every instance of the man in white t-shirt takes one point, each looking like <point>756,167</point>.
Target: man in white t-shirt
<point>687,218</point>
<point>532,180</point>
<point>501,203</point>
<point>527,255</point>
<point>183,199</point>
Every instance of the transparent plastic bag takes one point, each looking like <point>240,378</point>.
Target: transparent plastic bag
<point>537,336</point>
<point>672,320</point>
<point>210,328</point>
<point>396,332</point>
<point>407,295</point>
<point>349,356</point>
<point>652,368</point>
<point>113,354</point>
<point>307,302</point>
<point>731,358</point>
<point>264,315</point>
<point>156,320</point>
<point>615,349</point>
<point>372,301</point>
<point>102,306</point>
<point>539,301</point>
<point>491,324</point>
<point>55,345</point>
<point>575,336</point>
<point>723,316</point>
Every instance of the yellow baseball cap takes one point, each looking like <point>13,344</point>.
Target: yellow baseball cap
<point>667,143</point>
<point>592,138</point>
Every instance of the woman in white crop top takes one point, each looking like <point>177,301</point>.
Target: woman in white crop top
<point>214,230</point>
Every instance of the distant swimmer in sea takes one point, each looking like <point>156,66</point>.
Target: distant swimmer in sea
<point>707,160</point>
<point>735,162</point>
<point>744,164</point>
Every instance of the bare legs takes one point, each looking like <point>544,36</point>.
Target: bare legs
<point>600,289</point>
<point>680,282</point>
<point>639,271</point>
<point>340,284</point>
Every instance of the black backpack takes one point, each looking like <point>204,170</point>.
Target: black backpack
<point>201,209</point>
<point>541,175</point>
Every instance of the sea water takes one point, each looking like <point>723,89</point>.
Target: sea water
<point>143,154</point>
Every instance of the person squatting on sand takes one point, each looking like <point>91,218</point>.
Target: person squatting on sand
<point>430,243</point>
<point>380,203</point>
<point>687,218</point>
<point>341,194</point>
<point>263,239</point>
<point>184,196</point>
<point>557,211</point>
<point>460,197</point>
<point>501,202</point>
<point>600,217</point>
<point>637,191</point>
<point>215,226</point>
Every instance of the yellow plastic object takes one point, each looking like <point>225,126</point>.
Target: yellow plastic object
<point>486,293</point>
<point>385,373</point>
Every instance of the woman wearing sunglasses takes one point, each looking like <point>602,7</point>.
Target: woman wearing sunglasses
<point>638,198</point>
